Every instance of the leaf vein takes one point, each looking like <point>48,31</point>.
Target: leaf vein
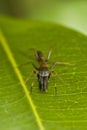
<point>13,63</point>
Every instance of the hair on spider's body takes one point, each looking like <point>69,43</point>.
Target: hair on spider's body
<point>43,72</point>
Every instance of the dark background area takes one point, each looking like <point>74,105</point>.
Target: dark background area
<point>71,13</point>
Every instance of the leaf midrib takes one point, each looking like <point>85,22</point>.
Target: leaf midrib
<point>14,65</point>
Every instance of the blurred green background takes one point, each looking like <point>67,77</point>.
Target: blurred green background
<point>71,13</point>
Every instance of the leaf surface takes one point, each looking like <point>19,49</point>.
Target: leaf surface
<point>62,111</point>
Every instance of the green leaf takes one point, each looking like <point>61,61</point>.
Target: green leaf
<point>64,110</point>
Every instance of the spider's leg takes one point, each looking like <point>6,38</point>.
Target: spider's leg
<point>59,63</point>
<point>49,54</point>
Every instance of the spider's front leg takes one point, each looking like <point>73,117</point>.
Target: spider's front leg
<point>49,54</point>
<point>59,63</point>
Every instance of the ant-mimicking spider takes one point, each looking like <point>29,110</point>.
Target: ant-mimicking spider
<point>43,72</point>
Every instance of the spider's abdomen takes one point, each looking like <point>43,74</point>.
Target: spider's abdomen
<point>43,77</point>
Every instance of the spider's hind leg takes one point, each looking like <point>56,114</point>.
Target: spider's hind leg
<point>53,73</point>
<point>33,73</point>
<point>55,84</point>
